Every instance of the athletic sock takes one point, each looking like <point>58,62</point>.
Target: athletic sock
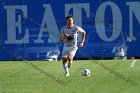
<point>66,69</point>
<point>70,63</point>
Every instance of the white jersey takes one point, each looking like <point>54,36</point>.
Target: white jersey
<point>73,35</point>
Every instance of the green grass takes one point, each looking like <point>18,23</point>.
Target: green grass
<point>107,76</point>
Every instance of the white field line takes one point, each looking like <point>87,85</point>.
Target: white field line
<point>133,63</point>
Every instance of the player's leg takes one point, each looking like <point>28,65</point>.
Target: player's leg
<point>65,66</point>
<point>70,59</point>
<point>71,55</point>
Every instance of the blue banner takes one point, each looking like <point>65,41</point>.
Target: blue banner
<point>30,29</point>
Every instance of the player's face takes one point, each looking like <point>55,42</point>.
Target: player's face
<point>69,21</point>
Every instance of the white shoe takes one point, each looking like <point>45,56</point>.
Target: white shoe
<point>67,74</point>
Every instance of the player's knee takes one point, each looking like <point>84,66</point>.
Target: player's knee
<point>70,57</point>
<point>64,60</point>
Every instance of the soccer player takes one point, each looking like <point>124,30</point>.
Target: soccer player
<point>69,35</point>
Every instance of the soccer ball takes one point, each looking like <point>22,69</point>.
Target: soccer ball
<point>86,72</point>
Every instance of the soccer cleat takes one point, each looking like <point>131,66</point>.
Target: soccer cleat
<point>67,74</point>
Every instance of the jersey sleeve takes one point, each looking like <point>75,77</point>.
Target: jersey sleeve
<point>80,29</point>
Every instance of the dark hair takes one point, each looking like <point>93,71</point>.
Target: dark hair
<point>69,16</point>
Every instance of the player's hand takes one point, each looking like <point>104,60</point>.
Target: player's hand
<point>66,35</point>
<point>81,44</point>
<point>62,38</point>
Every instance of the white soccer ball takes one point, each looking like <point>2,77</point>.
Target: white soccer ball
<point>86,72</point>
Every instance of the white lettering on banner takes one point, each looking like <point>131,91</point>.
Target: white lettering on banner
<point>100,24</point>
<point>133,9</point>
<point>77,13</point>
<point>14,26</point>
<point>50,22</point>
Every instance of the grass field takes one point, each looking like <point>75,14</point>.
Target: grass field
<point>107,76</point>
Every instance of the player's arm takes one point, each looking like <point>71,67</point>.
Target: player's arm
<point>63,37</point>
<point>83,32</point>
